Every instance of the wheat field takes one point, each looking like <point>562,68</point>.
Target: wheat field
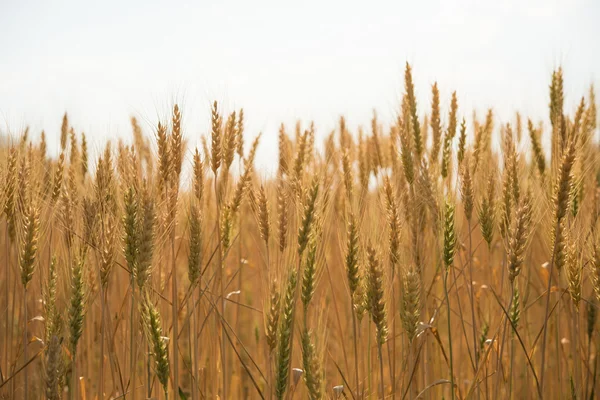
<point>409,260</point>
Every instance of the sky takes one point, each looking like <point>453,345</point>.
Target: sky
<point>103,62</point>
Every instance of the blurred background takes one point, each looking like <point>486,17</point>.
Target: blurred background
<point>103,62</point>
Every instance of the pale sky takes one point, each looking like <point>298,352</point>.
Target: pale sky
<point>314,60</point>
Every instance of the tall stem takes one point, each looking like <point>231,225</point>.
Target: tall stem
<point>550,271</point>
<point>102,329</point>
<point>475,352</point>
<point>392,359</point>
<point>512,362</point>
<point>195,390</point>
<point>410,363</point>
<point>577,361</point>
<point>512,336</point>
<point>381,390</point>
<point>148,372</point>
<point>355,348</point>
<point>6,297</point>
<point>171,207</point>
<point>73,391</point>
<point>449,333</point>
<point>369,356</point>
<point>558,346</point>
<point>25,355</point>
<point>589,367</point>
<point>13,312</point>
<point>240,265</point>
<point>175,316</point>
<point>132,344</point>
<point>222,290</point>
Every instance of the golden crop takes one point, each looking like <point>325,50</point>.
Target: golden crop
<point>412,261</point>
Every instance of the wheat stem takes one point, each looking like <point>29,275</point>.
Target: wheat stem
<point>132,342</point>
<point>355,340</point>
<point>25,340</point>
<point>222,287</point>
<point>472,297</point>
<point>381,386</point>
<point>7,297</point>
<point>449,332</point>
<point>174,310</point>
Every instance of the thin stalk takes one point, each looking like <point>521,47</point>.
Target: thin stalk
<point>240,264</point>
<point>113,359</point>
<point>449,332</point>
<point>132,344</point>
<point>588,369</point>
<point>487,391</point>
<point>222,289</point>
<point>103,301</point>
<point>355,348</point>
<point>379,346</point>
<point>240,270</point>
<point>577,361</point>
<point>392,359</point>
<point>270,352</point>
<point>470,260</point>
<point>174,311</point>
<point>102,330</point>
<point>6,297</point>
<point>487,388</point>
<point>558,346</point>
<point>195,344</point>
<point>361,349</point>
<point>500,353</point>
<point>411,388</point>
<point>87,339</point>
<point>462,318</point>
<point>499,368</point>
<point>12,326</point>
<point>148,372</point>
<point>594,375</point>
<point>73,391</point>
<point>512,363</point>
<point>369,359</point>
<point>174,299</point>
<point>550,271</point>
<point>25,355</point>
<point>270,372</point>
<point>512,344</point>
<point>190,347</point>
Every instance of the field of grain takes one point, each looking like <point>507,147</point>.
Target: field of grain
<point>408,260</point>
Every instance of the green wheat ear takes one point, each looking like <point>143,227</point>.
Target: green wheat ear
<point>30,244</point>
<point>449,234</point>
<point>284,351</point>
<point>158,343</point>
<point>77,304</point>
<point>375,295</point>
<point>313,373</point>
<point>309,279</point>
<point>410,307</point>
<point>308,217</point>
